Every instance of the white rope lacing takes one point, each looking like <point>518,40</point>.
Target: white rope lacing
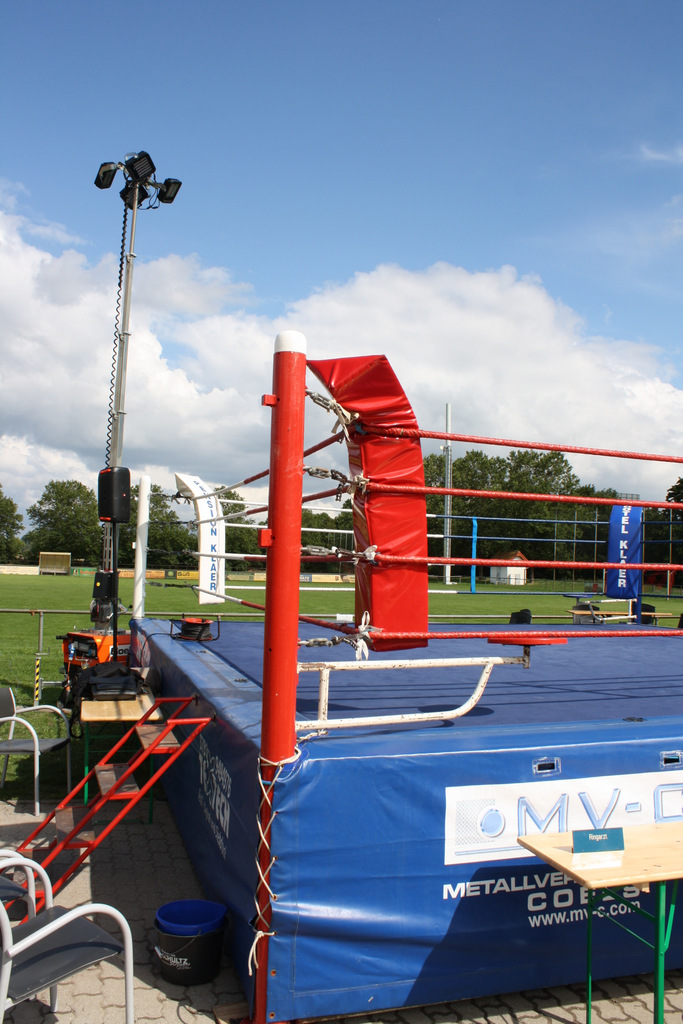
<point>361,638</point>
<point>260,922</point>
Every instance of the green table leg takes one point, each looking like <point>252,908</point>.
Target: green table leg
<point>660,950</point>
<point>86,758</point>
<point>589,956</point>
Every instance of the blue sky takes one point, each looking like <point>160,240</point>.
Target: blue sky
<point>318,140</point>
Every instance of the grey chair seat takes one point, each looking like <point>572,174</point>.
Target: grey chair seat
<point>10,890</point>
<point>25,746</point>
<point>55,957</point>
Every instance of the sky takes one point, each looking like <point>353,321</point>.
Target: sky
<point>489,193</point>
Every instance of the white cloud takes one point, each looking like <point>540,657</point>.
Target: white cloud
<point>174,285</point>
<point>25,468</point>
<point>673,155</point>
<point>10,191</point>
<point>52,232</point>
<point>511,360</point>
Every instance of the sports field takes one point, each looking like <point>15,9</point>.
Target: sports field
<point>65,603</point>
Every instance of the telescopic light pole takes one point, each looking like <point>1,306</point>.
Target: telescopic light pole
<point>138,171</point>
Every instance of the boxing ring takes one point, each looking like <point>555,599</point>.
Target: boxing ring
<point>357,798</point>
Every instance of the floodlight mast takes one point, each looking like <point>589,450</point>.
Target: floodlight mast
<point>138,170</point>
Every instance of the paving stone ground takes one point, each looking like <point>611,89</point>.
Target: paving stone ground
<point>139,867</point>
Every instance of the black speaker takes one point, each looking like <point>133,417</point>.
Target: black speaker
<point>103,588</point>
<point>113,495</point>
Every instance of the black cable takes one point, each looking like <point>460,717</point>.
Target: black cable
<point>194,629</point>
<point>179,586</point>
<point>117,321</point>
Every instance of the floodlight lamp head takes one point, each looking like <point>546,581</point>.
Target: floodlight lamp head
<point>128,191</point>
<point>140,166</point>
<point>106,175</point>
<point>169,190</point>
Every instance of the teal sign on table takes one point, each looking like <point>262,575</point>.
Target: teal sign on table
<point>597,840</point>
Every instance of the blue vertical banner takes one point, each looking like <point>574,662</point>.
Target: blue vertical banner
<point>625,545</point>
<point>473,569</point>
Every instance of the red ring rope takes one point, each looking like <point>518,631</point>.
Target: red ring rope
<point>469,492</point>
<point>507,443</point>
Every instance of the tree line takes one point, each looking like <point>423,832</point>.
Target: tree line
<point>65,518</point>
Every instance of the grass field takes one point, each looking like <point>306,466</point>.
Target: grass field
<point>65,603</point>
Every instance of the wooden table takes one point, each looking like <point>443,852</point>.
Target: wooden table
<point>652,856</point>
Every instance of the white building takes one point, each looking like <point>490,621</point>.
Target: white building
<point>515,573</point>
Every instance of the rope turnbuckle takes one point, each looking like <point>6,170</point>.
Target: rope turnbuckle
<point>322,641</point>
<point>344,417</point>
<point>320,551</point>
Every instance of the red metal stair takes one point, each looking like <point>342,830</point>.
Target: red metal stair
<point>78,824</point>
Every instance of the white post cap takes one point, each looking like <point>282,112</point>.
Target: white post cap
<point>290,341</point>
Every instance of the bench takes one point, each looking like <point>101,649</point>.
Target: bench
<point>580,614</point>
<point>595,615</point>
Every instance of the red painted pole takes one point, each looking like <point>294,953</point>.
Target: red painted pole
<point>284,550</point>
<point>282,540</point>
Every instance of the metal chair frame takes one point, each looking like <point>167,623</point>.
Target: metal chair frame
<point>32,744</point>
<point>55,944</point>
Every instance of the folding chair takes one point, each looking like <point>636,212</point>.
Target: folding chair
<point>585,607</point>
<point>31,743</point>
<point>55,944</point>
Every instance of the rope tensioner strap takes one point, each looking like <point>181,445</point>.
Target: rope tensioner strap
<point>344,417</point>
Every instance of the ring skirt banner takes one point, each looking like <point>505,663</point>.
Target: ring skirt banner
<point>396,524</point>
<point>397,877</point>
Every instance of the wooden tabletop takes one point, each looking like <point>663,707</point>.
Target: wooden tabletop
<point>117,710</point>
<point>598,613</point>
<point>652,853</point>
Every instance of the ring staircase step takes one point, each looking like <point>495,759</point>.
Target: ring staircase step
<point>80,826</point>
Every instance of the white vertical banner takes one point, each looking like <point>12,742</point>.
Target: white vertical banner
<point>141,535</point>
<point>210,537</point>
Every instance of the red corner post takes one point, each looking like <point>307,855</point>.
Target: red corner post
<point>284,551</point>
<point>283,544</point>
